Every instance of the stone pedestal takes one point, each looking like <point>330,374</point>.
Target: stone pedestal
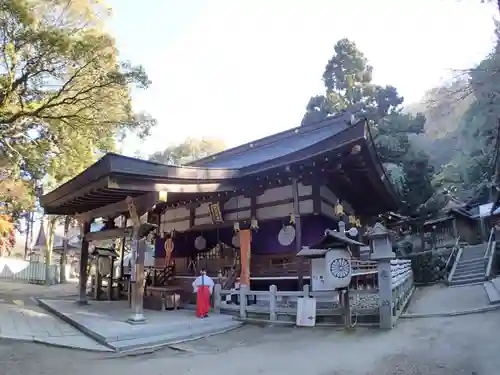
<point>381,247</point>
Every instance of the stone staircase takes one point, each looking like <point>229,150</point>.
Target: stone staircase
<point>471,266</point>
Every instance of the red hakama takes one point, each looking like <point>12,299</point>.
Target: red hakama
<point>202,301</point>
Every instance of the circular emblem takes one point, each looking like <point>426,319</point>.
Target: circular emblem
<point>340,268</point>
<point>286,235</point>
<point>200,243</point>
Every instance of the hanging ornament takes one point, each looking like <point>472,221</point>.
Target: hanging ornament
<point>235,241</point>
<point>352,219</point>
<point>254,224</point>
<point>236,226</point>
<point>292,219</point>
<point>339,209</point>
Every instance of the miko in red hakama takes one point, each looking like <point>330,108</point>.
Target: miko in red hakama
<point>202,301</point>
<point>203,285</point>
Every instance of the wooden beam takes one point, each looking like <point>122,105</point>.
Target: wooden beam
<point>98,184</point>
<point>143,202</point>
<point>148,185</point>
<point>108,234</point>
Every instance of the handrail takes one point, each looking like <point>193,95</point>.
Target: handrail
<point>486,252</point>
<point>491,250</point>
<point>457,259</point>
<point>455,247</point>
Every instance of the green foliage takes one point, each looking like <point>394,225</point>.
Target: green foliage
<point>64,96</point>
<point>348,85</point>
<point>190,150</point>
<point>471,169</point>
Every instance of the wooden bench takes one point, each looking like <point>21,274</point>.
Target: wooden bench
<point>166,293</point>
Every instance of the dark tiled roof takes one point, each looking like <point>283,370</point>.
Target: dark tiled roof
<point>277,145</point>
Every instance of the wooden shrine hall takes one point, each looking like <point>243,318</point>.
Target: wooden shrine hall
<point>242,213</point>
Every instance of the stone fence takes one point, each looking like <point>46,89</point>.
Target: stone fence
<point>365,304</point>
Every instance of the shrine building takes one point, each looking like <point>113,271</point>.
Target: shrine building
<point>242,213</point>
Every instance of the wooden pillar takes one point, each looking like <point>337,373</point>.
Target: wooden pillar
<point>64,257</point>
<point>110,280</point>
<point>298,229</point>
<point>122,250</point>
<point>245,248</point>
<point>455,228</point>
<point>137,274</point>
<point>84,260</point>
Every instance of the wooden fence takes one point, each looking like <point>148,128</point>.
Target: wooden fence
<point>24,271</point>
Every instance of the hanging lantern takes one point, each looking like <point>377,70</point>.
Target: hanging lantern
<point>292,219</point>
<point>236,226</point>
<point>254,224</point>
<point>339,209</point>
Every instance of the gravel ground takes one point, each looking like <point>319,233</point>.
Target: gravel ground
<point>463,345</point>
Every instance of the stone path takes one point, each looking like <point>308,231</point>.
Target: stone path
<point>21,318</point>
<point>438,346</point>
<point>441,299</point>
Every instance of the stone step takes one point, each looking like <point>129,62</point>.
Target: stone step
<point>477,280</point>
<point>496,283</point>
<point>472,261</point>
<point>152,342</point>
<point>471,264</point>
<point>492,292</point>
<point>465,276</point>
<point>470,268</point>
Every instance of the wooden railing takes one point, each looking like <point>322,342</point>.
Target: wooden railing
<point>162,276</point>
<point>363,267</point>
<point>331,307</point>
<point>281,306</point>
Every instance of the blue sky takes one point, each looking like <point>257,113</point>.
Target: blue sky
<point>243,69</point>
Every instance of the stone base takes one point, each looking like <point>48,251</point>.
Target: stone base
<point>137,319</point>
<point>107,323</point>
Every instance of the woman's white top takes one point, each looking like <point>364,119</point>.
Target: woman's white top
<point>203,280</point>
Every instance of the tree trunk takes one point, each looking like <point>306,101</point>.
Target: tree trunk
<point>64,256</point>
<point>50,242</point>
<point>27,240</point>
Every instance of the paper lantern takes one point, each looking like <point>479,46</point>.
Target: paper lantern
<point>339,209</point>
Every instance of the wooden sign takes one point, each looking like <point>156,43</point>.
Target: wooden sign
<point>215,213</point>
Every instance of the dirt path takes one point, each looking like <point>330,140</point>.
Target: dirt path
<point>463,345</point>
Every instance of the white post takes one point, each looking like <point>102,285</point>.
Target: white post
<point>305,290</point>
<point>217,297</point>
<point>243,301</point>
<point>382,252</point>
<point>272,303</point>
